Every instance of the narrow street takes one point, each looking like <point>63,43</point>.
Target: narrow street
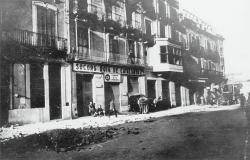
<point>218,135</point>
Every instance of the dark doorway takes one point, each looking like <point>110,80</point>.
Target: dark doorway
<point>55,91</point>
<point>84,93</point>
<point>4,91</point>
<point>151,89</point>
<point>112,92</point>
<point>165,93</point>
<point>37,85</point>
<point>133,85</point>
<point>178,94</point>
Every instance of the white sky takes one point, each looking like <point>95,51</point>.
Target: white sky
<point>231,19</point>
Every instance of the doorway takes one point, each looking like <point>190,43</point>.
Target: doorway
<point>178,94</point>
<point>84,93</point>
<point>165,93</point>
<point>112,91</point>
<point>151,89</point>
<point>55,91</point>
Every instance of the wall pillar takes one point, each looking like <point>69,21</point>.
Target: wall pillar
<point>188,96</point>
<point>98,90</point>
<point>124,94</point>
<point>73,96</point>
<point>66,92</point>
<point>46,113</point>
<point>142,85</point>
<point>172,93</point>
<point>158,88</point>
<point>28,103</point>
<point>183,96</point>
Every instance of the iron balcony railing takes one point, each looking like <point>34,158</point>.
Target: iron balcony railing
<point>91,55</point>
<point>34,39</point>
<point>211,72</point>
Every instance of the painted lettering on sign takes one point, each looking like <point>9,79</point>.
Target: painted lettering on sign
<point>112,78</point>
<point>82,67</point>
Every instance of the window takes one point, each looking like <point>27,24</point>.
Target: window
<point>118,12</point>
<point>164,54</point>
<point>116,45</point>
<point>97,7</point>
<point>46,21</point>
<point>113,45</point>
<point>83,44</point>
<point>136,20</point>
<point>28,85</point>
<point>162,30</point>
<point>138,50</point>
<point>131,45</point>
<point>19,86</point>
<point>148,27</point>
<point>168,31</point>
<point>162,9</point>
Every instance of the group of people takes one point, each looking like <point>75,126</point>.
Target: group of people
<point>93,111</point>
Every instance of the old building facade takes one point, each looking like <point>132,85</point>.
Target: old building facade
<point>59,55</point>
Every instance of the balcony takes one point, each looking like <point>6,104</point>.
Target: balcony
<point>166,41</point>
<point>166,67</point>
<point>168,63</point>
<point>211,73</point>
<point>90,55</point>
<point>41,42</point>
<point>86,54</point>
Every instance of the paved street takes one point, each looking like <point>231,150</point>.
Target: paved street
<point>218,135</point>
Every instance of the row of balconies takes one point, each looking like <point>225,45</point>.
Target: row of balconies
<point>45,42</point>
<point>91,55</point>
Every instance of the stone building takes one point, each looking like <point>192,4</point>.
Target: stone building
<point>59,55</point>
<point>33,53</point>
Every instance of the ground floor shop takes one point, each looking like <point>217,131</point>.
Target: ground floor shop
<point>33,92</point>
<point>174,93</point>
<point>101,84</point>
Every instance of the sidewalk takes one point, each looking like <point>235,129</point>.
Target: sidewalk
<point>84,122</point>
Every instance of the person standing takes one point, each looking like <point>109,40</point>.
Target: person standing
<point>242,100</point>
<point>112,108</point>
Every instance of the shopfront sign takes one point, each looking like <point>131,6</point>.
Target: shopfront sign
<point>112,77</point>
<point>97,68</point>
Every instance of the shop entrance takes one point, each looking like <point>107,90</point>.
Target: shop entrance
<point>165,93</point>
<point>151,89</point>
<point>84,93</point>
<point>55,91</point>
<point>133,85</point>
<point>112,91</point>
<point>178,94</point>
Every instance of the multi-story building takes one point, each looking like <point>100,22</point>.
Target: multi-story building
<point>204,59</point>
<point>106,53</point>
<point>165,57</point>
<point>57,56</point>
<point>33,52</point>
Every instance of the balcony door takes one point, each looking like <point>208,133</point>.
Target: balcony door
<point>46,26</point>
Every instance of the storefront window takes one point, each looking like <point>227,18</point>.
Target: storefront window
<point>19,86</point>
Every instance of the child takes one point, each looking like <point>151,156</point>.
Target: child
<point>100,111</point>
<point>91,108</point>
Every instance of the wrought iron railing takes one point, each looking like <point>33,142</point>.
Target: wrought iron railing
<point>34,39</point>
<point>86,54</point>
